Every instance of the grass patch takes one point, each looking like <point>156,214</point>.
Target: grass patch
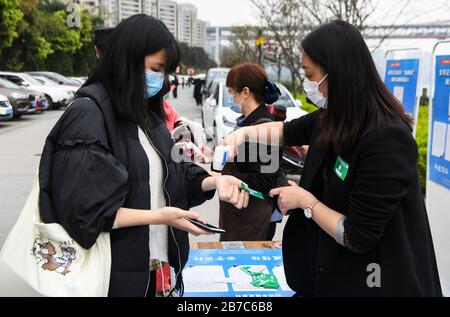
<point>305,105</point>
<point>422,142</point>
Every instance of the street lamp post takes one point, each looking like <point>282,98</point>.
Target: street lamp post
<point>260,41</point>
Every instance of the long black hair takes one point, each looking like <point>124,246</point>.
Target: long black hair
<point>357,96</point>
<point>121,68</point>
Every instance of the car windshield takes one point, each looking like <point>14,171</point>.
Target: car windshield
<point>58,76</point>
<point>45,81</point>
<point>7,84</point>
<point>284,99</point>
<point>62,78</point>
<point>217,75</point>
<point>30,79</point>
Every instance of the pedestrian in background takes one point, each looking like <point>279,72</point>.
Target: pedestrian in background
<point>101,40</point>
<point>175,84</point>
<point>198,85</point>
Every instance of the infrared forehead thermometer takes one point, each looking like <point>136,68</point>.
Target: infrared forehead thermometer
<point>193,147</point>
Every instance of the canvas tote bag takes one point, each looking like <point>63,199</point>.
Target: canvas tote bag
<point>50,261</point>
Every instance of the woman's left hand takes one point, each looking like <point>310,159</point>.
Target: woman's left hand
<point>292,197</point>
<point>229,189</point>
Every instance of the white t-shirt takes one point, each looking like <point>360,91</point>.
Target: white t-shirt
<point>158,234</point>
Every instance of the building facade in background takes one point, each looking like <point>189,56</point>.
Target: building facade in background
<point>187,17</point>
<point>166,11</point>
<point>150,7</point>
<point>180,18</point>
<point>128,8</point>
<point>199,36</point>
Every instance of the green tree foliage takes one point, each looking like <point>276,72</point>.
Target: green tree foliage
<point>30,47</point>
<point>36,35</point>
<point>242,47</point>
<point>84,59</point>
<point>10,15</point>
<point>195,57</point>
<point>422,142</point>
<point>44,40</point>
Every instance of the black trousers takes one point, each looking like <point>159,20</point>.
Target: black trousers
<point>152,286</point>
<point>271,232</point>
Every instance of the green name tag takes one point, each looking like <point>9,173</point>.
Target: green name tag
<point>341,168</point>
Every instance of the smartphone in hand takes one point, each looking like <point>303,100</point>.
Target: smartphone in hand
<point>206,227</point>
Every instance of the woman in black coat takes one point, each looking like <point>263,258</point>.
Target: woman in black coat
<point>250,89</point>
<point>109,163</point>
<point>358,224</point>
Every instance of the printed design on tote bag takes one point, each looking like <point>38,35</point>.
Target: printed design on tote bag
<point>47,255</point>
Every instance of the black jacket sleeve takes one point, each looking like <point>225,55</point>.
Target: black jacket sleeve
<point>262,174</point>
<point>298,132</point>
<point>88,184</point>
<point>263,183</point>
<point>194,177</point>
<point>384,173</point>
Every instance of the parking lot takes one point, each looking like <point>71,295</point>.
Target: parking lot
<point>21,143</point>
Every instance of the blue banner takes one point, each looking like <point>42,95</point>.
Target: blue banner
<point>241,273</point>
<point>439,163</point>
<point>401,79</point>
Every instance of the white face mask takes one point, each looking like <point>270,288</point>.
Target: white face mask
<point>312,90</point>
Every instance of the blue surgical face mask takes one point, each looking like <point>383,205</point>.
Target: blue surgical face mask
<point>234,106</point>
<point>154,82</point>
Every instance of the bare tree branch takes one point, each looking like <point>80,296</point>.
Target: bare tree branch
<point>391,27</point>
<point>286,24</point>
<point>242,48</point>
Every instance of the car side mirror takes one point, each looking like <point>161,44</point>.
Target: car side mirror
<point>24,84</point>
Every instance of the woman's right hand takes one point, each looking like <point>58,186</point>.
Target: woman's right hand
<point>175,217</point>
<point>233,140</point>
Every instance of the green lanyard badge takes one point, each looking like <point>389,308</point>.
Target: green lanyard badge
<point>251,192</point>
<point>341,168</point>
